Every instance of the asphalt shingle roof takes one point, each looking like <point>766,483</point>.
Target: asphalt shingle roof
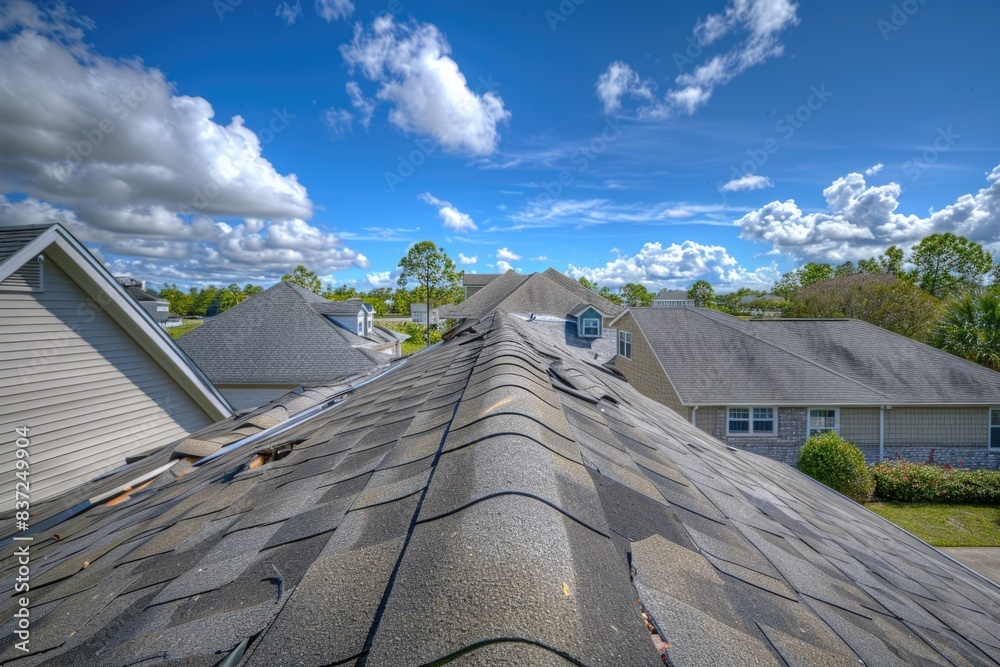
<point>714,359</point>
<point>479,279</point>
<point>279,336</point>
<point>548,293</point>
<point>13,238</point>
<point>496,500</point>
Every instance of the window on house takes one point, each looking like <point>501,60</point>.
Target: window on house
<point>751,420</point>
<point>361,326</point>
<point>994,428</point>
<point>823,419</point>
<point>625,344</point>
<point>591,326</point>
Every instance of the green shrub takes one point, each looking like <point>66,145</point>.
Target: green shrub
<point>904,481</point>
<point>830,459</point>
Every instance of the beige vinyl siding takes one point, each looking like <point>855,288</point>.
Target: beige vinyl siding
<point>90,395</point>
<point>644,371</point>
<point>860,425</point>
<point>937,426</point>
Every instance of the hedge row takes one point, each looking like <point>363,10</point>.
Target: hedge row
<point>914,482</point>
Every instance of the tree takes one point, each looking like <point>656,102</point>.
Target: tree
<point>377,298</point>
<point>970,328</point>
<point>731,302</point>
<point>589,284</point>
<point>251,290</point>
<point>702,293</point>
<point>634,294</point>
<point>891,261</point>
<point>432,269</point>
<point>948,264</point>
<point>610,295</point>
<point>304,278</point>
<point>342,293</point>
<point>881,299</point>
<point>804,276</point>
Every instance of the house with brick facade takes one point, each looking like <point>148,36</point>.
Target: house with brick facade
<point>767,385</point>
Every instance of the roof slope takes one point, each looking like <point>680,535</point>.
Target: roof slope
<point>713,357</point>
<point>14,238</point>
<point>279,336</point>
<point>548,293</point>
<point>495,501</point>
<point>711,360</point>
<point>479,279</point>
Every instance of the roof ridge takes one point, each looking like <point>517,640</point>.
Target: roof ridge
<point>789,352</point>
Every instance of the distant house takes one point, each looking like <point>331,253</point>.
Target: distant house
<point>85,367</point>
<point>473,282</point>
<point>286,337</point>
<point>556,303</point>
<point>418,314</point>
<point>673,298</point>
<point>154,305</point>
<point>767,385</point>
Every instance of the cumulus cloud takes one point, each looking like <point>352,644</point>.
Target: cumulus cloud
<point>756,24</point>
<point>871,171</point>
<point>429,95</point>
<point>747,182</point>
<point>139,169</point>
<point>504,267</point>
<point>450,216</point>
<point>289,13</point>
<point>507,255</point>
<point>464,259</point>
<point>861,221</point>
<point>381,279</point>
<point>678,265</point>
<point>331,10</point>
<point>540,258</point>
<point>618,81</point>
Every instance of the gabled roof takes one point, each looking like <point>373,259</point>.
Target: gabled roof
<point>279,336</point>
<point>548,293</point>
<point>478,279</point>
<point>673,295</point>
<point>20,244</point>
<point>717,359</point>
<point>496,501</point>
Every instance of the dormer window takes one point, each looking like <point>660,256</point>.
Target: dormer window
<point>591,327</point>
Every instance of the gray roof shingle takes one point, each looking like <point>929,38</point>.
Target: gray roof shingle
<point>15,237</point>
<point>279,336</point>
<point>495,500</point>
<point>479,279</point>
<point>717,359</point>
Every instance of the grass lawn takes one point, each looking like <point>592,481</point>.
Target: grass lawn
<point>177,332</point>
<point>945,525</point>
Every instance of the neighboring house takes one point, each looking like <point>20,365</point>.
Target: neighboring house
<point>493,501</point>
<point>418,314</point>
<point>473,282</point>
<point>154,305</point>
<point>582,314</point>
<point>673,298</point>
<point>84,367</point>
<point>767,385</point>
<point>286,337</point>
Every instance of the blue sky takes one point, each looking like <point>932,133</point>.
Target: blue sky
<point>218,141</point>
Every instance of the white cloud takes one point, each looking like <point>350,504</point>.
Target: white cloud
<point>758,23</point>
<point>463,259</point>
<point>381,279</point>
<point>618,81</point>
<point>331,10</point>
<point>429,94</point>
<point>450,216</point>
<point>289,13</point>
<point>507,255</point>
<point>504,267</point>
<point>339,121</point>
<point>747,182</point>
<point>135,168</point>
<point>861,221</point>
<point>540,258</point>
<point>678,265</point>
<point>545,211</point>
<point>871,171</point>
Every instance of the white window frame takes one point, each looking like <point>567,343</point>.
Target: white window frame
<point>989,429</point>
<point>809,426</point>
<point>625,339</point>
<point>750,418</point>
<point>590,322</point>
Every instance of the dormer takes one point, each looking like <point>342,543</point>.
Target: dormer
<point>369,318</point>
<point>589,321</point>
